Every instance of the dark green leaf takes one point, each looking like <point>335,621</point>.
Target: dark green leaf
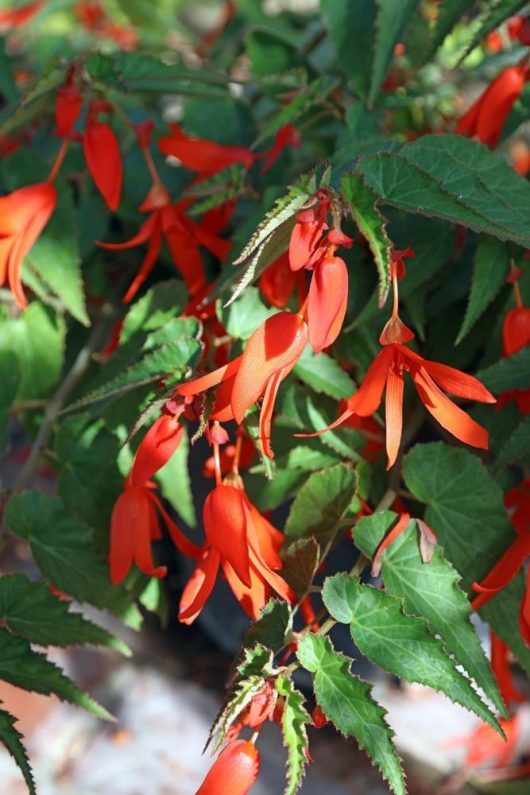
<point>510,373</point>
<point>351,25</point>
<point>272,627</point>
<point>390,24</point>
<point>163,302</point>
<point>30,670</point>
<point>175,483</point>
<point>517,447</point>
<point>372,225</point>
<point>347,701</point>
<point>494,15</point>
<point>9,384</point>
<point>270,52</point>
<point>489,273</point>
<point>502,613</point>
<point>12,741</point>
<point>431,591</point>
<point>244,316</point>
<point>324,375</point>
<point>397,642</point>
<point>456,179</point>
<point>30,610</point>
<point>300,563</point>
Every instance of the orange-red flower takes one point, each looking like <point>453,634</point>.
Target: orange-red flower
<point>201,155</point>
<point>68,104</point>
<point>23,215</point>
<point>102,154</point>
<point>16,17</point>
<point>487,116</point>
<point>245,545</point>
<point>234,771</point>
<point>92,16</point>
<point>270,354</point>
<point>500,664</point>
<point>306,237</point>
<point>388,370</point>
<point>279,282</point>
<point>156,448</point>
<point>515,337</point>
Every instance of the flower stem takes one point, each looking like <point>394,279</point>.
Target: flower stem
<point>61,154</point>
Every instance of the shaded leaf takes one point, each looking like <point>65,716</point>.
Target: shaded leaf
<point>323,374</point>
<point>12,741</point>
<point>390,24</point>
<point>489,272</point>
<point>272,627</point>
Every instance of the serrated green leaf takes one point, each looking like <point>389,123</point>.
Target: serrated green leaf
<point>272,627</point>
<point>244,316</point>
<point>30,670</point>
<point>175,483</point>
<point>465,506</point>
<point>351,26</point>
<point>305,99</point>
<point>55,256</point>
<point>34,103</point>
<point>163,302</point>
<point>322,504</point>
<point>63,548</point>
<point>494,15</point>
<point>372,225</point>
<point>390,24</point>
<point>346,700</point>
<point>517,447</point>
<point>430,591</point>
<point>397,642</point>
<point>456,179</point>
<point>295,719</point>
<point>300,563</point>
<point>30,610</point>
<point>509,373</point>
<point>489,272</point>
<point>323,374</point>
<point>12,741</point>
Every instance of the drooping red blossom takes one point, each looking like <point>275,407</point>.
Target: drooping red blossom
<point>23,215</point>
<point>500,664</point>
<point>430,378</point>
<point>304,244</point>
<point>68,104</point>
<point>485,119</point>
<point>318,717</point>
<point>17,17</point>
<point>201,155</point>
<point>234,771</point>
<point>135,524</point>
<point>102,155</point>
<point>279,282</point>
<point>245,545</point>
<point>327,300</point>
<point>156,448</point>
<point>515,337</point>
<point>270,354</point>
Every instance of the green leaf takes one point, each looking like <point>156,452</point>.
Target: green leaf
<point>351,25</point>
<point>347,701</point>
<point>397,642</point>
<point>9,384</point>
<point>489,273</point>
<point>322,504</point>
<point>30,610</point>
<point>270,52</point>
<point>244,316</point>
<point>295,720</point>
<point>30,670</point>
<point>63,548</point>
<point>465,506</point>
<point>495,15</point>
<point>300,563</point>
<point>431,591</point>
<point>175,483</point>
<point>35,103</point>
<point>12,741</point>
<point>512,372</point>
<point>454,178</point>
<point>272,627</point>
<point>323,374</point>
<point>163,302</point>
<point>37,338</point>
<point>306,99</point>
<point>372,225</point>
<point>449,12</point>
<point>55,256</point>
<point>517,447</point>
<point>89,480</point>
<point>390,24</point>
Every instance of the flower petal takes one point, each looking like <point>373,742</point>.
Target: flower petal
<point>180,541</point>
<point>327,302</point>
<point>234,771</point>
<point>503,572</point>
<point>199,586</point>
<point>225,526</point>
<point>393,412</point>
<point>211,379</point>
<point>103,158</point>
<point>368,397</point>
<point>156,448</point>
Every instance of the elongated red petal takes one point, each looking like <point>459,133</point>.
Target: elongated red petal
<point>202,155</point>
<point>147,230</point>
<point>145,527</point>
<point>449,415</point>
<point>452,380</point>
<point>156,448</point>
<point>199,586</point>
<point>265,539</point>
<point>267,410</point>
<point>401,525</point>
<point>368,397</point>
<point>212,379</point>
<point>252,599</point>
<point>225,525</point>
<point>504,570</point>
<point>276,582</point>
<point>327,302</point>
<point>103,158</point>
<point>497,102</point>
<point>149,262</point>
<point>222,408</point>
<point>67,109</point>
<point>393,412</point>
<point>121,554</point>
<point>524,612</point>
<point>276,344</point>
<point>186,256</point>
<point>180,541</point>
<point>234,771</point>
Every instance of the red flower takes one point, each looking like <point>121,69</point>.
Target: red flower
<point>102,155</point>
<point>270,354</point>
<point>158,445</point>
<point>515,336</point>
<point>486,117</point>
<point>234,771</point>
<point>16,17</point>
<point>286,136</point>
<point>279,282</point>
<point>500,665</point>
<point>305,242</point>
<point>23,215</point>
<point>201,155</point>
<point>68,106</point>
<point>245,544</point>
<point>388,369</point>
<point>327,300</point>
